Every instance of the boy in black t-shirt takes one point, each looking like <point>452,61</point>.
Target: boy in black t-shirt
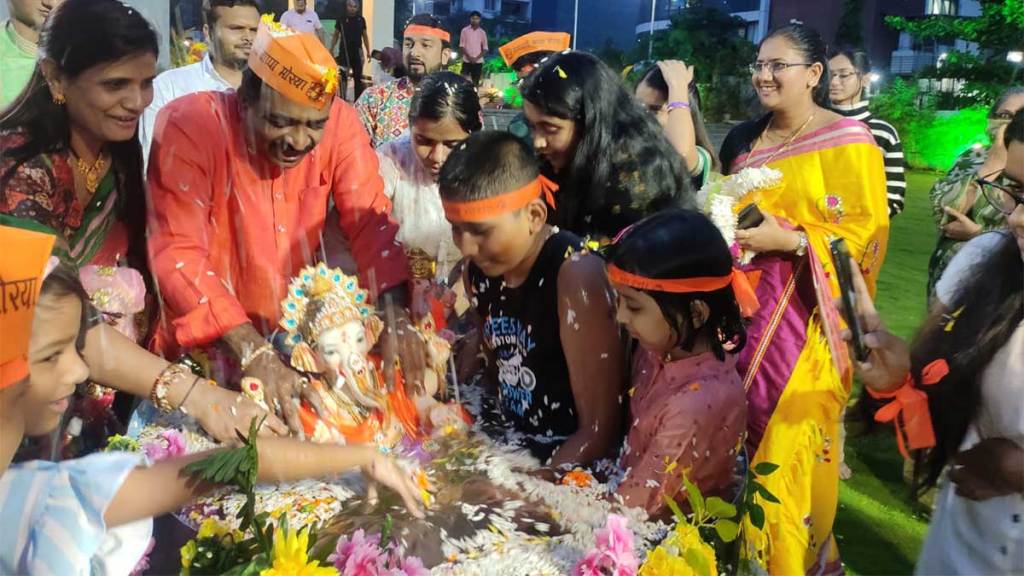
<point>547,319</point>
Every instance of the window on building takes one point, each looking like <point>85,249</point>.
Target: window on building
<point>749,32</point>
<point>490,4</point>
<point>941,7</point>
<point>514,8</point>
<point>442,8</point>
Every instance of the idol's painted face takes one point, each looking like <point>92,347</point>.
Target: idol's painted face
<point>344,349</point>
<point>105,102</point>
<point>55,365</point>
<point>285,131</point>
<point>433,140</point>
<point>555,139</point>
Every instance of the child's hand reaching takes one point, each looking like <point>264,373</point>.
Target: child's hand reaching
<point>386,471</point>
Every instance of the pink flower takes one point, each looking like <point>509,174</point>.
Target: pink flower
<point>411,566</point>
<point>590,565</point>
<point>612,553</point>
<point>176,445</point>
<point>170,445</point>
<point>360,555</point>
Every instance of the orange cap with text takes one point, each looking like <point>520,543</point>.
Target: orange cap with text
<point>22,267</point>
<point>534,42</point>
<point>295,64</point>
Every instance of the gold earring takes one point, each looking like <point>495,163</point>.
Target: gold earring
<point>58,100</point>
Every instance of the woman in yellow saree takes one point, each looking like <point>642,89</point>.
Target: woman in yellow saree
<point>834,186</point>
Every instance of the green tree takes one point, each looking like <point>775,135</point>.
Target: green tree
<point>849,30</point>
<point>709,39</point>
<point>930,140</point>
<point>999,29</point>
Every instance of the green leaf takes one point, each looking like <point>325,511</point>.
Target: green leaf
<point>385,531</point>
<point>694,497</point>
<point>675,508</point>
<point>720,508</point>
<point>767,495</point>
<point>765,468</point>
<point>727,529</point>
<point>756,515</point>
<point>697,561</point>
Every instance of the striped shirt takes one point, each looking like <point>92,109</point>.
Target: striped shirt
<point>889,141</point>
<point>52,515</point>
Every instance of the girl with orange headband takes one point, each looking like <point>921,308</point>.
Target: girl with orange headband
<point>681,299</point>
<point>545,311</point>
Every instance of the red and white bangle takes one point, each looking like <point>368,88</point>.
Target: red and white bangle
<point>676,105</point>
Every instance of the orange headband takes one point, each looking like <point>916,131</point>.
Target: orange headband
<point>488,208</point>
<point>427,31</point>
<point>745,295</point>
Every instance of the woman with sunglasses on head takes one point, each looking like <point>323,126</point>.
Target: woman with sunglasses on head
<point>960,211</point>
<point>850,68</point>
<point>966,368</point>
<point>833,186</point>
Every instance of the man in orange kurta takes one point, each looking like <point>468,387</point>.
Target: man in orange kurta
<point>239,188</point>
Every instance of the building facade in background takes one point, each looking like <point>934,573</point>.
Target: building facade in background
<point>755,13</point>
<point>891,52</point>
<point>912,54</point>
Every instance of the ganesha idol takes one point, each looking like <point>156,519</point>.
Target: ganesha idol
<point>332,329</point>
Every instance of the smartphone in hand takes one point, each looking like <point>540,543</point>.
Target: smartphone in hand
<point>844,274</point>
<point>749,217</point>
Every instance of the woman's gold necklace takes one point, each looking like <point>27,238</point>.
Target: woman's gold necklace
<point>785,144</point>
<point>93,174</point>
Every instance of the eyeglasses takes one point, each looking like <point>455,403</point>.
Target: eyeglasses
<point>776,67</point>
<point>1001,197</point>
<point>844,76</point>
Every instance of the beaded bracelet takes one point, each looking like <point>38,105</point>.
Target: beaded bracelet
<point>158,395</point>
<point>677,105</point>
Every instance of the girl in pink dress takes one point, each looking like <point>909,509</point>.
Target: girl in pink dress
<point>681,299</point>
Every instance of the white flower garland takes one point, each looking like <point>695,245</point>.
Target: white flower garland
<point>501,548</point>
<point>720,196</point>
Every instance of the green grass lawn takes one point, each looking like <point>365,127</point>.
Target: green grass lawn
<point>878,526</point>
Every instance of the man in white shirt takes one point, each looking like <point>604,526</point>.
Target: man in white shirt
<point>230,27</point>
<point>302,19</point>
